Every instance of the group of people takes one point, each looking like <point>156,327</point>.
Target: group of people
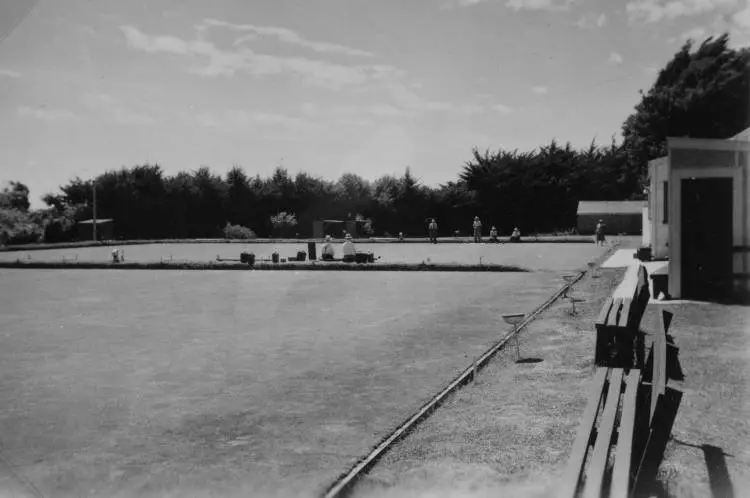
<point>477,228</point>
<point>348,250</point>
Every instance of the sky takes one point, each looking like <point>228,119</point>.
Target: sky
<point>324,86</point>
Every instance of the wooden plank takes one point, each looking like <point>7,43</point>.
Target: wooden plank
<point>604,313</point>
<point>624,318</point>
<point>614,313</point>
<point>621,476</point>
<point>601,347</point>
<point>599,458</point>
<point>659,378</point>
<point>572,476</point>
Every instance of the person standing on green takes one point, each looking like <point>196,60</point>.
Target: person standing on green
<point>477,229</point>
<point>433,231</point>
<point>600,232</point>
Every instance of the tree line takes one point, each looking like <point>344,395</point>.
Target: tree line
<point>702,92</point>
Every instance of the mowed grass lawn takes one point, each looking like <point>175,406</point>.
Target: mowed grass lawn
<point>170,383</point>
<point>534,256</point>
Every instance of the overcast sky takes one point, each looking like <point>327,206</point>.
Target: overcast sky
<point>324,86</point>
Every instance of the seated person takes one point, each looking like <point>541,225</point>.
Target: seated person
<point>118,255</point>
<point>493,234</point>
<point>349,250</point>
<point>328,250</point>
<point>516,235</point>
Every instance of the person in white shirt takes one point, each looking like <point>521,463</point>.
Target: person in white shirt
<point>516,235</point>
<point>348,249</point>
<point>477,229</point>
<point>599,231</point>
<point>493,234</point>
<point>433,231</point>
<point>328,250</point>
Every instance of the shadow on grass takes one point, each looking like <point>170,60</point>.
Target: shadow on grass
<point>647,484</point>
<point>529,360</point>
<point>674,368</point>
<point>718,473</point>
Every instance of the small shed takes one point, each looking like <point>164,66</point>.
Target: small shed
<point>618,216</point>
<point>104,228</point>
<point>709,216</point>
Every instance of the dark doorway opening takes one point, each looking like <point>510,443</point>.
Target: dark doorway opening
<point>706,235</point>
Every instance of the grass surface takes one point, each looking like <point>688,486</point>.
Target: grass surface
<point>510,433</point>
<point>170,383</point>
<point>375,240</point>
<point>284,266</point>
<point>536,256</point>
<point>709,451</point>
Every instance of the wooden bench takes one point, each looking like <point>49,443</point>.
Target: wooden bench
<point>619,342</point>
<point>616,427</point>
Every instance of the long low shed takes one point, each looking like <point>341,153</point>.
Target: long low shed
<point>618,216</point>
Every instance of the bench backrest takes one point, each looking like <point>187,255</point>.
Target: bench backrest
<point>625,309</point>
<point>641,297</point>
<point>659,375</point>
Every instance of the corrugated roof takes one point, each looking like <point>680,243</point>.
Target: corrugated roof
<point>611,207</point>
<point>743,136</point>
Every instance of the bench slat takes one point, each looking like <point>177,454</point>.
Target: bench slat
<point>572,477</point>
<point>599,458</point>
<point>604,313</point>
<point>659,376</point>
<point>624,318</point>
<point>614,313</point>
<point>620,485</point>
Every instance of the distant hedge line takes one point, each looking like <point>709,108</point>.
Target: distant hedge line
<point>577,239</point>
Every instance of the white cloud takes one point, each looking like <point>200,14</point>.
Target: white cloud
<point>214,61</point>
<point>541,90</point>
<point>88,30</point>
<point>242,122</point>
<point>503,109</point>
<point>9,73</point>
<point>385,110</point>
<point>447,107</point>
<point>112,110</point>
<point>550,5</point>
<point>439,106</point>
<point>590,21</point>
<point>742,18</point>
<point>696,34</point>
<point>658,10</point>
<point>615,58</point>
<point>45,114</point>
<point>283,35</point>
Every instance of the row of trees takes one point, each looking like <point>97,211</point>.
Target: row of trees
<point>702,93</point>
<point>146,203</point>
